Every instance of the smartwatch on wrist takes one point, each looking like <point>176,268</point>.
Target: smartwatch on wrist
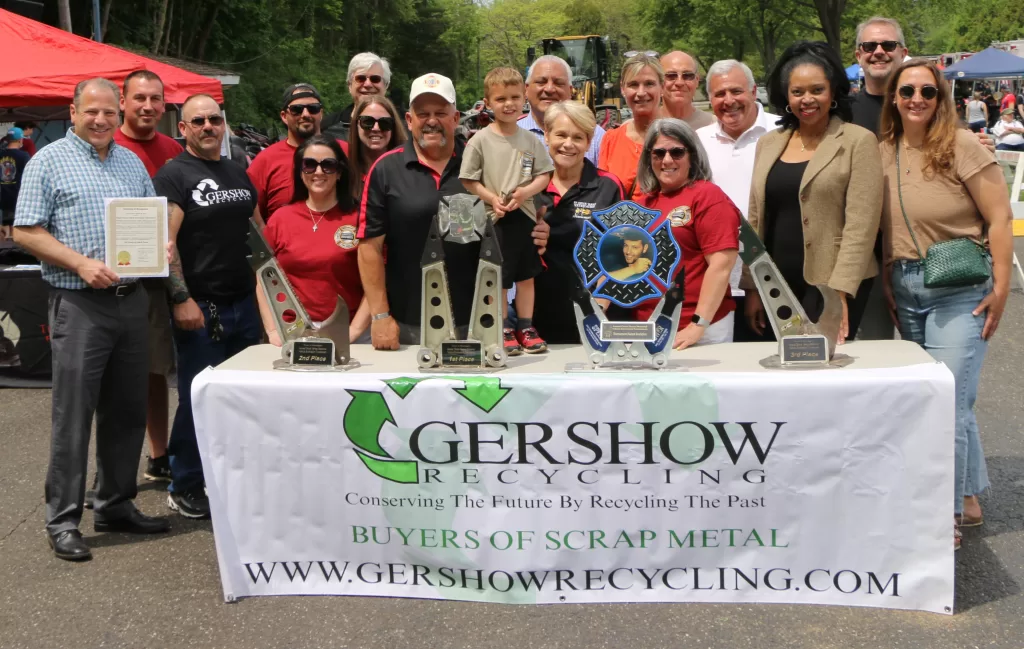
<point>700,322</point>
<point>180,297</point>
<point>381,316</point>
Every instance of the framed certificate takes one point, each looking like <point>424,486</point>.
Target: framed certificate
<point>135,230</point>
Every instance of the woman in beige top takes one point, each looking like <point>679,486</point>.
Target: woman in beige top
<point>950,187</point>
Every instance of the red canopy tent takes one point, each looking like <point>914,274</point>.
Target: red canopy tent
<point>45,63</point>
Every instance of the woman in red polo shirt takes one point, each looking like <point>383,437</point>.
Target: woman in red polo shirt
<point>675,177</point>
<point>314,238</point>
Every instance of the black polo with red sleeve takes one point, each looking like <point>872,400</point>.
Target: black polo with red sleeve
<point>553,312</point>
<point>400,200</point>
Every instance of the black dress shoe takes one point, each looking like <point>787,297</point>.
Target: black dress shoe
<point>134,523</point>
<point>69,546</point>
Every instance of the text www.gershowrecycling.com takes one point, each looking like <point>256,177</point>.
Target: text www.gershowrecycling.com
<point>817,580</point>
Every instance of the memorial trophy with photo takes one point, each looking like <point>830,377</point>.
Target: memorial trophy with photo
<point>802,343</point>
<point>625,256</point>
<point>461,219</point>
<point>135,231</point>
<point>305,345</point>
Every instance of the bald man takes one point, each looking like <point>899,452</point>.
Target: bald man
<point>99,322</point>
<point>681,81</point>
<point>209,201</point>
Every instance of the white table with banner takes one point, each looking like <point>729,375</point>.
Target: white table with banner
<point>713,481</point>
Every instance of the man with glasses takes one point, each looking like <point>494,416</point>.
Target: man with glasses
<point>210,201</point>
<point>880,50</point>
<point>368,74</point>
<point>271,170</point>
<point>681,81</point>
<point>98,322</point>
<point>549,81</point>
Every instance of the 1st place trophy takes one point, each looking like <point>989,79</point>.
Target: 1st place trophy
<point>625,259</point>
<point>461,219</point>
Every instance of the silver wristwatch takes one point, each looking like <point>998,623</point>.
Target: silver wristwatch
<point>381,316</point>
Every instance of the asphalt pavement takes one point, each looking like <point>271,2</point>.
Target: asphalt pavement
<point>164,591</point>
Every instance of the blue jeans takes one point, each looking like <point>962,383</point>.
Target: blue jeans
<point>941,321</point>
<point>196,352</point>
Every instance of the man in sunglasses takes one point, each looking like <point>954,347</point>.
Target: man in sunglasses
<point>271,171</point>
<point>880,50</point>
<point>368,74</point>
<point>681,81</point>
<point>209,201</point>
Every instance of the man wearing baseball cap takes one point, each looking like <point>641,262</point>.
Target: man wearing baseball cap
<point>12,164</point>
<point>271,171</point>
<point>399,203</point>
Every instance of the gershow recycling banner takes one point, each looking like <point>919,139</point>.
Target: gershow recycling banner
<point>805,487</point>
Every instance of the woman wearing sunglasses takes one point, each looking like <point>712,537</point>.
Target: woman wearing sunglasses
<point>675,177</point>
<point>943,191</point>
<point>314,239</point>
<point>376,131</point>
<point>642,81</point>
<point>814,197</point>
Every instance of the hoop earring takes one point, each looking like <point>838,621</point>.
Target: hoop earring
<point>788,109</point>
<point>835,104</point>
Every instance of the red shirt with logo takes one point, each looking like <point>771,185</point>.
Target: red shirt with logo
<point>320,265</point>
<point>154,152</point>
<point>273,173</point>
<point>703,221</point>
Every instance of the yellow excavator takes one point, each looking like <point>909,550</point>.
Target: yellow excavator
<point>592,82</point>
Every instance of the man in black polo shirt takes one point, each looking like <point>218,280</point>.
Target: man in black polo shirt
<point>210,201</point>
<point>402,192</point>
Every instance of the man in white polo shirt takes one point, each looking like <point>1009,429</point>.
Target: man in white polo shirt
<point>730,144</point>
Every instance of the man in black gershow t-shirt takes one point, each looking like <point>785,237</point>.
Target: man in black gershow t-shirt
<point>212,286</point>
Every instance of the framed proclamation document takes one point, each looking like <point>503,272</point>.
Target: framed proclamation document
<point>135,230</point>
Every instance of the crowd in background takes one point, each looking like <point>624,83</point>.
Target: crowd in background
<point>856,192</point>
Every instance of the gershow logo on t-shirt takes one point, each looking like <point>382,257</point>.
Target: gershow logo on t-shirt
<point>208,192</point>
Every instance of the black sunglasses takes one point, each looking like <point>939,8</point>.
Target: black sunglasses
<point>677,152</point>
<point>374,78</point>
<point>314,109</point>
<point>327,165</point>
<point>927,92</point>
<point>687,76</point>
<point>870,46</point>
<point>385,124</point>
<point>198,121</point>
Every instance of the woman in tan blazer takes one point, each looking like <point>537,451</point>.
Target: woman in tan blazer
<point>815,196</point>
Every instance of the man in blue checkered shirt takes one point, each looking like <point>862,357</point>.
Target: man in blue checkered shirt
<point>99,324</point>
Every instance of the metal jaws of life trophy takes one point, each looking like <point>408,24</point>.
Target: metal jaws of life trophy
<point>802,343</point>
<point>305,346</point>
<point>623,257</point>
<point>461,219</point>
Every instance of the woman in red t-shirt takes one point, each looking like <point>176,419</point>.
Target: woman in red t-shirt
<point>675,177</point>
<point>314,239</point>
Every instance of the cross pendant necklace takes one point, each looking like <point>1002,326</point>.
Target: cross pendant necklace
<point>312,218</point>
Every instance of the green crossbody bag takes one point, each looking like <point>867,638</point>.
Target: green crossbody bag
<point>948,264</point>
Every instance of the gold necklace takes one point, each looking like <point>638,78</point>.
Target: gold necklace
<point>803,145</point>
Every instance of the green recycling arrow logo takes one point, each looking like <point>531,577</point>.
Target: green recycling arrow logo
<point>367,413</point>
